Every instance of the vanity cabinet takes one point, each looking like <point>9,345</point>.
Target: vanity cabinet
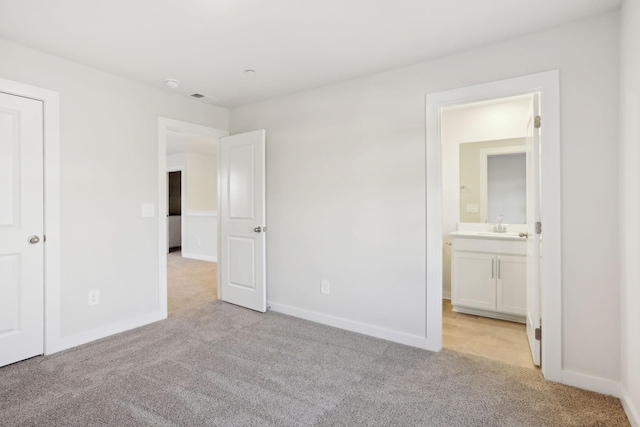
<point>511,284</point>
<point>489,277</point>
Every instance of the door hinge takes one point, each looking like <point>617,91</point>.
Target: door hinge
<point>537,122</point>
<point>538,227</point>
<point>538,332</point>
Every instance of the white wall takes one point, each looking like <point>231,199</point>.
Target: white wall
<point>486,122</point>
<point>109,162</point>
<point>630,207</point>
<point>199,219</point>
<point>200,237</point>
<point>346,187</point>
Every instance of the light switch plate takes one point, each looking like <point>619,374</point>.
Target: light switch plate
<point>148,211</point>
<point>472,208</point>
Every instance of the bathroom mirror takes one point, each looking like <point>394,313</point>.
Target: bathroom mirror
<point>493,181</point>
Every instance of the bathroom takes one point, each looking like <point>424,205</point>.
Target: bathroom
<point>490,202</point>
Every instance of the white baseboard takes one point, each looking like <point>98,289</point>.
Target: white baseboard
<point>350,325</point>
<point>591,383</point>
<point>489,313</point>
<point>200,257</point>
<point>629,408</point>
<point>103,332</point>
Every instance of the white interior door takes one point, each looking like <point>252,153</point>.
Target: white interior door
<point>242,220</point>
<point>533,238</point>
<point>21,229</point>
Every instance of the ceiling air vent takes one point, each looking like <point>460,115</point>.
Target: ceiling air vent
<point>205,98</point>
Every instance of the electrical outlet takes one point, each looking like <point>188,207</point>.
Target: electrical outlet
<point>199,242</point>
<point>324,287</point>
<point>94,297</point>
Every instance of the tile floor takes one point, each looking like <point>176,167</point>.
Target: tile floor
<point>482,336</point>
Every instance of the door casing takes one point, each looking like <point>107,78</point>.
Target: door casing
<point>548,84</point>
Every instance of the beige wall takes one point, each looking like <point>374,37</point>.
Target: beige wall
<point>202,182</point>
<point>201,174</point>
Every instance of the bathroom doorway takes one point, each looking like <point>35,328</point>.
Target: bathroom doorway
<point>491,313</point>
<point>487,184</point>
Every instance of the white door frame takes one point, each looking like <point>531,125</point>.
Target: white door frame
<point>164,126</point>
<point>548,84</point>
<point>51,113</point>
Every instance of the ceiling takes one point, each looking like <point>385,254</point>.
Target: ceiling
<point>185,142</point>
<point>292,45</point>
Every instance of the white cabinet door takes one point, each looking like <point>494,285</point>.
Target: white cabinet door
<point>21,229</point>
<point>512,284</point>
<point>473,280</point>
<point>242,220</point>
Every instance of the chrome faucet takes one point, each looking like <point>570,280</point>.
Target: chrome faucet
<point>500,227</point>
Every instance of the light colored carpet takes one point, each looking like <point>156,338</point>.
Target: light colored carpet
<point>213,363</point>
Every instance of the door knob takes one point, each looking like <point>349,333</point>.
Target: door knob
<point>34,239</point>
<point>257,229</point>
<point>525,235</point>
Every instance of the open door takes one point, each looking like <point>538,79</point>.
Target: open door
<point>242,220</point>
<point>534,230</point>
